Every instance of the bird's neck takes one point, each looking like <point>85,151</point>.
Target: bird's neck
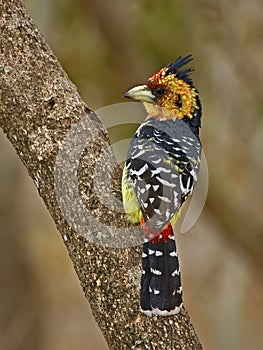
<point>195,122</point>
<point>155,111</point>
<point>160,113</point>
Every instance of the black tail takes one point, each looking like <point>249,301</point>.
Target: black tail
<point>161,290</point>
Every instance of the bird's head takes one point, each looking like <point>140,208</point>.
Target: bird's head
<point>169,93</point>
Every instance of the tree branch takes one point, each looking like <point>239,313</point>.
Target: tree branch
<point>39,105</point>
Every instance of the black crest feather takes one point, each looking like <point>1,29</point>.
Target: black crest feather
<point>174,68</point>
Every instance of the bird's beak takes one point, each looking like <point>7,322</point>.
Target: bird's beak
<point>141,93</point>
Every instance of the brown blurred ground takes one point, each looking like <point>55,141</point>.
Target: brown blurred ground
<point>107,47</point>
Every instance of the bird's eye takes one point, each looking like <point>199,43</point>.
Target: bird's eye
<point>159,91</point>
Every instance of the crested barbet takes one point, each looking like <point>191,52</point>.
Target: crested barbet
<point>160,173</point>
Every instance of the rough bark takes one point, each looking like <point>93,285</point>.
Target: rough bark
<point>38,107</point>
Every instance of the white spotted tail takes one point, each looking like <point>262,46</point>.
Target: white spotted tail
<point>161,290</point>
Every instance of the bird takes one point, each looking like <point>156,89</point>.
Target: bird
<point>160,173</point>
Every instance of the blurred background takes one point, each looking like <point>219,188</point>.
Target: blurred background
<point>106,48</point>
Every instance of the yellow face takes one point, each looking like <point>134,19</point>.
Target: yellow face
<point>173,96</point>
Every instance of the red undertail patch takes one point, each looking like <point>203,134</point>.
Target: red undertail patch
<point>154,237</point>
